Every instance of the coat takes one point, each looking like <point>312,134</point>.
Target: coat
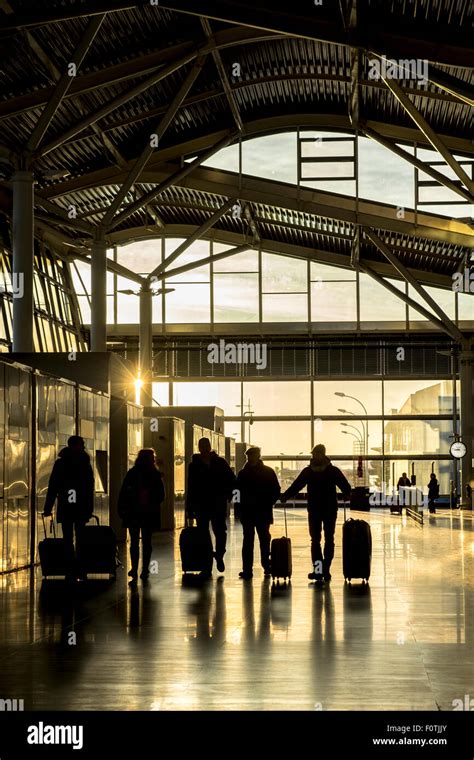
<point>258,490</point>
<point>433,489</point>
<point>72,484</point>
<point>140,498</point>
<point>321,477</point>
<point>209,486</point>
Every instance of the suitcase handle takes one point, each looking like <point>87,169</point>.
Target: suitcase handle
<point>52,528</point>
<point>94,517</point>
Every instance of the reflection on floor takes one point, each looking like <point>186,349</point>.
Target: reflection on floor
<point>406,641</point>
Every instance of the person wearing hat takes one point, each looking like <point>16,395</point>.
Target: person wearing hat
<point>258,489</point>
<point>321,478</point>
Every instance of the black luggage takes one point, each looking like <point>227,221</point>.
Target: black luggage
<point>280,556</point>
<point>360,498</point>
<point>195,546</point>
<point>356,549</point>
<point>396,509</point>
<point>52,553</point>
<point>97,550</point>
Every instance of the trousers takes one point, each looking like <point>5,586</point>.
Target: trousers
<point>263,533</point>
<point>318,522</point>
<point>134,530</point>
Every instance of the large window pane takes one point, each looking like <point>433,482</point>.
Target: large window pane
<point>271,156</point>
<point>444,298</point>
<point>325,273</point>
<point>281,274</point>
<point>278,398</point>
<point>199,250</point>
<point>466,307</point>
<point>188,303</point>
<point>224,395</point>
<point>161,393</point>
<point>247,261</point>
<point>384,176</point>
<point>281,437</point>
<point>142,256</point>
<point>236,298</point>
<point>333,302</point>
<point>418,397</point>
<point>128,309</point>
<point>285,307</point>
<point>368,392</point>
<point>417,436</point>
<point>377,304</point>
<point>348,437</point>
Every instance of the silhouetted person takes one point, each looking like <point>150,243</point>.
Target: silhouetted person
<point>139,506</point>
<point>72,484</point>
<point>210,485</point>
<point>404,481</point>
<point>433,492</point>
<point>321,477</point>
<point>258,489</point>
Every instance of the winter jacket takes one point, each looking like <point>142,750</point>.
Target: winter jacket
<point>321,478</point>
<point>433,489</point>
<point>72,483</point>
<point>403,483</point>
<point>210,485</point>
<point>258,489</point>
<point>140,497</point>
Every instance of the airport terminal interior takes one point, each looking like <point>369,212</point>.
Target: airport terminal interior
<point>252,225</point>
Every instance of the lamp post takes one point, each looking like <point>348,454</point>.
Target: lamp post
<point>243,415</point>
<point>358,401</point>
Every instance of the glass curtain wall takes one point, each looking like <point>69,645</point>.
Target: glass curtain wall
<point>57,325</point>
<point>398,425</point>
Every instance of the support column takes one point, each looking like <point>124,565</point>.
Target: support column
<point>99,294</point>
<point>146,345</point>
<point>466,376</point>
<point>23,261</point>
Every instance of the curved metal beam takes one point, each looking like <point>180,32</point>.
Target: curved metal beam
<point>258,128</point>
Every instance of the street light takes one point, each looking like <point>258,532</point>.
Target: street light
<point>361,437</point>
<point>345,395</point>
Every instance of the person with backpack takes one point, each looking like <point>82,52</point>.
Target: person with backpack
<point>433,493</point>
<point>139,506</point>
<point>210,485</point>
<point>72,483</point>
<point>258,489</point>
<point>321,478</point>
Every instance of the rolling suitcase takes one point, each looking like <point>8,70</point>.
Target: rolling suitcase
<point>360,499</point>
<point>280,556</point>
<point>356,549</point>
<point>52,553</point>
<point>97,550</point>
<point>195,547</point>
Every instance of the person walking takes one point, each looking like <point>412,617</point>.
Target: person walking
<point>321,478</point>
<point>139,504</point>
<point>433,493</point>
<point>258,489</point>
<point>404,481</point>
<point>72,483</point>
<point>210,485</point>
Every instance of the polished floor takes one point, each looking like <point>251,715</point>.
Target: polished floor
<point>405,641</point>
